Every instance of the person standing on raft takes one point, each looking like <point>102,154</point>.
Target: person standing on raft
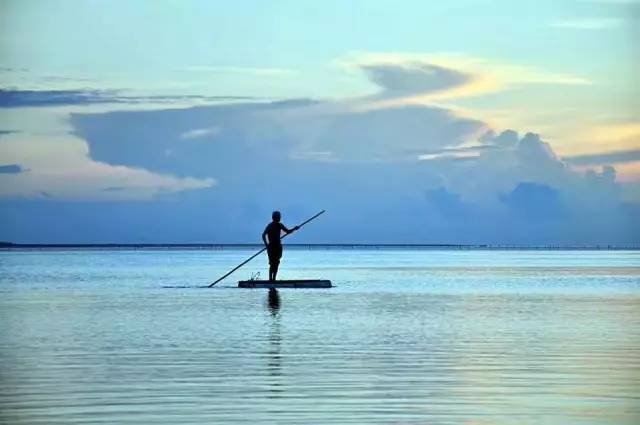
<point>271,238</point>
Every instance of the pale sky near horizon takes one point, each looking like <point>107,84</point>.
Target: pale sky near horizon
<point>565,70</point>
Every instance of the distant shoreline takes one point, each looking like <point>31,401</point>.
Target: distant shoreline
<point>6,246</point>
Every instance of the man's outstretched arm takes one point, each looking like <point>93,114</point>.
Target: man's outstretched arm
<point>287,231</point>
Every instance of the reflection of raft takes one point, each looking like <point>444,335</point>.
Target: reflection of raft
<point>300,283</point>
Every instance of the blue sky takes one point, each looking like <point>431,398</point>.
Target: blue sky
<point>466,121</point>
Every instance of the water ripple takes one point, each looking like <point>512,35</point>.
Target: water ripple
<point>457,345</point>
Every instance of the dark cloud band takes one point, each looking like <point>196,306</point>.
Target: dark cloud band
<point>12,98</point>
<point>605,158</point>
<point>11,169</point>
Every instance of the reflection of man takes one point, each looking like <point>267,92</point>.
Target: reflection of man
<point>271,239</point>
<point>274,301</point>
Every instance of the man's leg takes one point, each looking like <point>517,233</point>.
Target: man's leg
<point>272,262</point>
<point>273,269</point>
<point>277,255</point>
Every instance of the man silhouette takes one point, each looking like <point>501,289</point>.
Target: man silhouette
<point>271,239</point>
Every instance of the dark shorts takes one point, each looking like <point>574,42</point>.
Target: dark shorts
<point>275,254</point>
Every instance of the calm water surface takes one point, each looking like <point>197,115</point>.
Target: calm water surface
<point>405,337</point>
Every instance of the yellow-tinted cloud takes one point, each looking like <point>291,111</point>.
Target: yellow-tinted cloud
<point>60,167</point>
<point>486,76</point>
<point>603,138</point>
<point>628,172</point>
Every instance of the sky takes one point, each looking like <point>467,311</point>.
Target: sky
<point>164,121</point>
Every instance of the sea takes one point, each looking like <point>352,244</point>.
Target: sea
<point>405,336</point>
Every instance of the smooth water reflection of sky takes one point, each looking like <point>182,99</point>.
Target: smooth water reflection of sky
<point>446,337</point>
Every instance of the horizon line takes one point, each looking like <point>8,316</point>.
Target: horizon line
<point>207,245</point>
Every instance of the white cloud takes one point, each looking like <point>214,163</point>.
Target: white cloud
<point>200,133</point>
<point>60,166</point>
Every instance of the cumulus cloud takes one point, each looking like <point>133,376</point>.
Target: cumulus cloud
<point>421,173</point>
<point>506,160</point>
<point>506,139</point>
<point>448,177</point>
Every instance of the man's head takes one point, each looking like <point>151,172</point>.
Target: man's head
<point>275,216</point>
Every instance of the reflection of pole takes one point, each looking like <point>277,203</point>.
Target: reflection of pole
<point>274,365</point>
<point>262,250</point>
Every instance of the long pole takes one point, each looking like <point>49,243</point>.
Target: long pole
<point>262,250</point>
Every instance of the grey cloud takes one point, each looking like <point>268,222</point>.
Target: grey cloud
<point>11,169</point>
<point>142,138</point>
<point>385,134</point>
<point>534,201</point>
<point>17,98</point>
<point>9,69</point>
<point>609,173</point>
<point>65,79</point>
<point>261,141</point>
<point>605,158</point>
<point>516,190</point>
<point>402,80</point>
<point>14,98</point>
<point>508,138</point>
<point>523,159</point>
<point>510,175</point>
<point>536,158</point>
<point>267,132</point>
